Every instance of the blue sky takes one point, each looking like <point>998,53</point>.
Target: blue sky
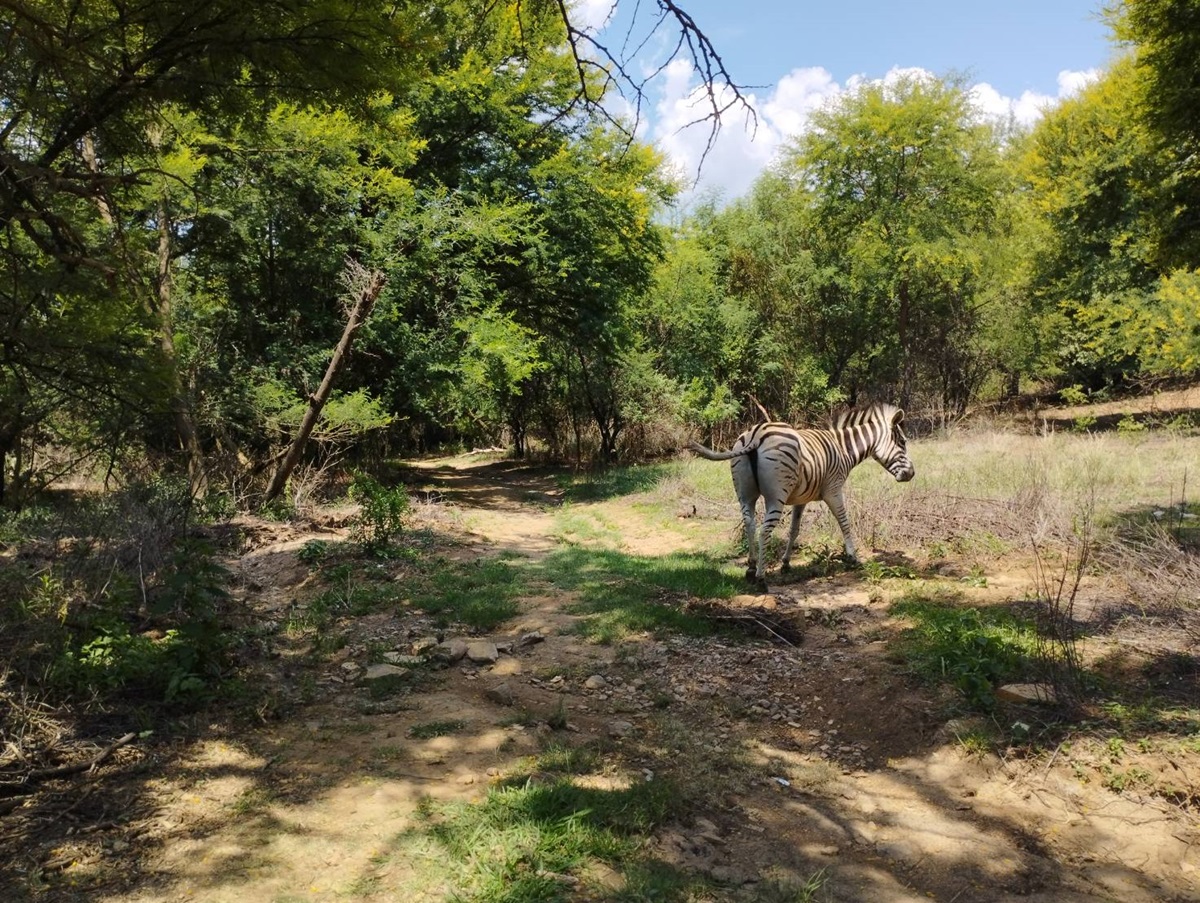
<point>1021,55</point>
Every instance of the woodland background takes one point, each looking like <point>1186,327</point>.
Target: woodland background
<point>181,190</point>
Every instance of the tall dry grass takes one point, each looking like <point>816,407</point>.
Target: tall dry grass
<point>989,491</point>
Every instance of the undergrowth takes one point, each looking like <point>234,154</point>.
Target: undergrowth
<point>974,649</point>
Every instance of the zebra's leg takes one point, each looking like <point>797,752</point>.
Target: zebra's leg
<point>748,522</point>
<point>793,532</point>
<point>837,504</point>
<point>771,517</point>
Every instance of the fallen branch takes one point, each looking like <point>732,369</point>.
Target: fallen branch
<point>363,289</point>
<point>43,774</point>
<point>778,629</point>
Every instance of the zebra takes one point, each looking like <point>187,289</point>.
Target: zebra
<point>794,467</point>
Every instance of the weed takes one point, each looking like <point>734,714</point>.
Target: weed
<point>1129,424</point>
<point>389,752</point>
<point>975,649</point>
<point>975,741</point>
<point>313,552</point>
<point>875,572</point>
<point>1056,652</point>
<point>382,511</point>
<point>976,578</point>
<point>1116,748</point>
<point>558,718</point>
<point>1083,424</point>
<point>430,729</point>
<point>1119,781</point>
<point>789,891</point>
<point>252,800</point>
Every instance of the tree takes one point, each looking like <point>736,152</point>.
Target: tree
<point>1165,35</point>
<point>1092,171</point>
<point>893,196</point>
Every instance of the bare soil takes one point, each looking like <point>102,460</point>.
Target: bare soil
<point>855,771</point>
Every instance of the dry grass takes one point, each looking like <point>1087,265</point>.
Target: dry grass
<point>987,492</point>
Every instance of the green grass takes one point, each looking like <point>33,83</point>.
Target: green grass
<point>619,594</point>
<point>974,649</point>
<point>481,593</point>
<point>540,837</point>
<point>430,729</point>
<point>614,481</point>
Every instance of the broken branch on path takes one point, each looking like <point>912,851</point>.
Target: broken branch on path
<point>59,771</point>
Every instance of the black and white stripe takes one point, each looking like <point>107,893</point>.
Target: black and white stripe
<point>794,467</point>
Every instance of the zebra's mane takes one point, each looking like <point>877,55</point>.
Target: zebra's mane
<point>879,412</point>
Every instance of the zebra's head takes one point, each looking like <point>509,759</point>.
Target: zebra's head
<point>891,446</point>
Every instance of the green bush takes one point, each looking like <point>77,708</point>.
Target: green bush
<point>382,511</point>
<point>974,649</point>
<point>168,667</point>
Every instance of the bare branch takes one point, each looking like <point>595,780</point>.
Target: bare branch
<point>601,67</point>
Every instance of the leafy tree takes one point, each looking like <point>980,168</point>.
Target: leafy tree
<point>1165,35</point>
<point>864,253</point>
<point>1091,168</point>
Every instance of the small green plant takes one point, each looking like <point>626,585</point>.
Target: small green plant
<point>558,718</point>
<point>382,511</point>
<point>1083,424</point>
<point>876,571</point>
<point>1073,395</point>
<point>430,729</point>
<point>313,552</point>
<point>975,649</point>
<point>976,578</point>
<point>1128,424</point>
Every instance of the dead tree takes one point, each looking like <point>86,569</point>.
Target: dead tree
<point>363,287</point>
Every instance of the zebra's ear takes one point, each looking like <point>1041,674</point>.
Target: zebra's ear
<point>897,418</point>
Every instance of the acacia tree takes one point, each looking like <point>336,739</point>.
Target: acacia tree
<point>1091,172</point>
<point>140,143</point>
<point>901,183</point>
<point>1165,38</point>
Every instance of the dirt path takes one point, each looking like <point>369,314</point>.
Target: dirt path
<point>850,772</point>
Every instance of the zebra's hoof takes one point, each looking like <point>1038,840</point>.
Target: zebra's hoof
<point>751,573</point>
<point>784,568</point>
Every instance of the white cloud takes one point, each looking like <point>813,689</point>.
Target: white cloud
<point>741,151</point>
<point>1071,83</point>
<point>592,15</point>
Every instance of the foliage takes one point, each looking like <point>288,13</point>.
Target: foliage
<point>974,649</point>
<point>864,252</point>
<point>382,511</point>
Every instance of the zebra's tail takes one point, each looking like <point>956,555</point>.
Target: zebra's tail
<point>720,456</point>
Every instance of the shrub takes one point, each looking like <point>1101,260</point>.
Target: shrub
<point>382,511</point>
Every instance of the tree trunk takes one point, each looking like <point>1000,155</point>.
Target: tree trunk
<point>364,289</point>
<point>185,426</point>
<point>902,329</point>
<point>159,308</point>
